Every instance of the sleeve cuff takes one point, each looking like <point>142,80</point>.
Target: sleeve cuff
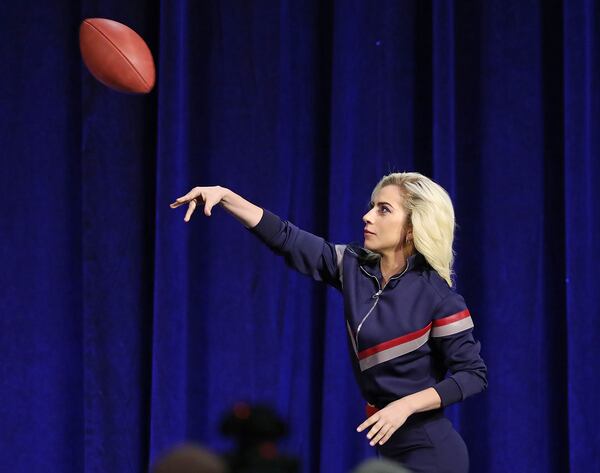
<point>268,226</point>
<point>449,391</point>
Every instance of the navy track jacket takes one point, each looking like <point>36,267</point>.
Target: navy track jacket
<point>404,338</point>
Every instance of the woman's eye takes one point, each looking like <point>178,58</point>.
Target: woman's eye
<point>384,209</point>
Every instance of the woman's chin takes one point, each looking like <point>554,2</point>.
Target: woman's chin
<point>368,246</point>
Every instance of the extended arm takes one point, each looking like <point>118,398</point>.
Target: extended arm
<point>303,251</point>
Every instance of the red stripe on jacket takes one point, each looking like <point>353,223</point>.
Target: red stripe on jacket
<point>409,337</point>
<point>463,314</point>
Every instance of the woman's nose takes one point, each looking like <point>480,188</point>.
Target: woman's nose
<point>366,217</point>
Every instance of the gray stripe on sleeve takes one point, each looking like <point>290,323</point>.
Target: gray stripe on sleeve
<point>339,253</point>
<point>453,328</point>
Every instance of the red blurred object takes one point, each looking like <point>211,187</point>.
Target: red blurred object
<point>268,450</point>
<point>116,55</point>
<point>241,410</point>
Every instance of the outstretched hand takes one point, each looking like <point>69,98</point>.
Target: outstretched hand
<point>386,421</point>
<point>207,196</point>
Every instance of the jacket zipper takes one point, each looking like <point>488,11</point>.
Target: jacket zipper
<point>376,297</point>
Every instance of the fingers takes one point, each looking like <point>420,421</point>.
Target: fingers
<point>190,210</point>
<point>180,201</point>
<point>184,199</point>
<point>370,421</point>
<point>208,207</point>
<point>387,435</point>
<point>197,194</point>
<point>375,429</point>
<point>192,198</point>
<point>382,432</point>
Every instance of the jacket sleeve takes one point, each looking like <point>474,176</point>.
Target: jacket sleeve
<point>452,339</point>
<point>307,253</point>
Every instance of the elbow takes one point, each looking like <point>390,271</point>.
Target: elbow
<point>478,380</point>
<point>481,374</point>
<point>472,381</point>
<point>483,380</point>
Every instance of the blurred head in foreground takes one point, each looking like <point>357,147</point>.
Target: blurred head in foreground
<point>188,458</point>
<point>380,466</point>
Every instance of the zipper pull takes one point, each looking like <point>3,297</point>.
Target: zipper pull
<point>376,295</point>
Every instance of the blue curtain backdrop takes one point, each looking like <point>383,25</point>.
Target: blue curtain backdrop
<point>124,331</point>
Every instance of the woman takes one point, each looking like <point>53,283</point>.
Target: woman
<point>406,325</point>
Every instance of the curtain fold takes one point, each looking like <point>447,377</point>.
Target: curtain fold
<point>581,49</point>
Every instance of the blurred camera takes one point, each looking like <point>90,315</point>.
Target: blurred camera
<point>256,430</point>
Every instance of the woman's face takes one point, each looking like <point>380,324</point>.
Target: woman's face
<point>385,224</point>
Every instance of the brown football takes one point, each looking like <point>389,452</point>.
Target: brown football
<point>116,55</point>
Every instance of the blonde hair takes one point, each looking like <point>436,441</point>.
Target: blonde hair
<point>431,215</point>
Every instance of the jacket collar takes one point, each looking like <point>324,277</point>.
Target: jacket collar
<point>371,264</point>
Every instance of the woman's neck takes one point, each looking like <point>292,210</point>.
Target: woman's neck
<point>392,263</point>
